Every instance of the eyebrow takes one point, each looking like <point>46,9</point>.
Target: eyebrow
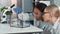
<point>45,12</point>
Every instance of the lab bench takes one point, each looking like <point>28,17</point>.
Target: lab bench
<point>6,29</point>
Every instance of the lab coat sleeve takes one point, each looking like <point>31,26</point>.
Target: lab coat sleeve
<point>58,30</point>
<point>35,23</point>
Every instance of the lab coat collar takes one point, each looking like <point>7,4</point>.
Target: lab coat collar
<point>56,23</point>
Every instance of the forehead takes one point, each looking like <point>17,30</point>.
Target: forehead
<point>36,10</point>
<point>47,10</point>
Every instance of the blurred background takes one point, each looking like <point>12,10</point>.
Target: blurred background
<point>27,7</point>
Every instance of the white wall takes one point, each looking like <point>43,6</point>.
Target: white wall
<point>5,2</point>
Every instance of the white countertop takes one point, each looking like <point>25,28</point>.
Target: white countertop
<point>5,28</point>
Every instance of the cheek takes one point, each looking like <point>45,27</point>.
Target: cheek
<point>37,17</point>
<point>46,17</point>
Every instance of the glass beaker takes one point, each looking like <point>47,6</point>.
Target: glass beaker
<point>8,19</point>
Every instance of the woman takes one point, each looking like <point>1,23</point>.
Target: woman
<point>51,15</point>
<point>38,12</point>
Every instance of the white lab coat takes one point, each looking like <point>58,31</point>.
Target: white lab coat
<point>46,26</point>
<point>41,24</point>
<point>56,27</point>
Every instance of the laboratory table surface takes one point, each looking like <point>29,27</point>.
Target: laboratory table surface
<point>5,28</point>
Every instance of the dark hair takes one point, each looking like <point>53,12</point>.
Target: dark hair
<point>41,6</point>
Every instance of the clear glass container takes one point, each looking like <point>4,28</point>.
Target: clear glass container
<point>8,19</point>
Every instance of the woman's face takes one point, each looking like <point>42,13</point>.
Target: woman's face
<point>37,14</point>
<point>46,16</point>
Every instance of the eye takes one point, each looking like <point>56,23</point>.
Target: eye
<point>37,13</point>
<point>45,12</point>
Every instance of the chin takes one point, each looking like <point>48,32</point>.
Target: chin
<point>37,19</point>
<point>45,20</point>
